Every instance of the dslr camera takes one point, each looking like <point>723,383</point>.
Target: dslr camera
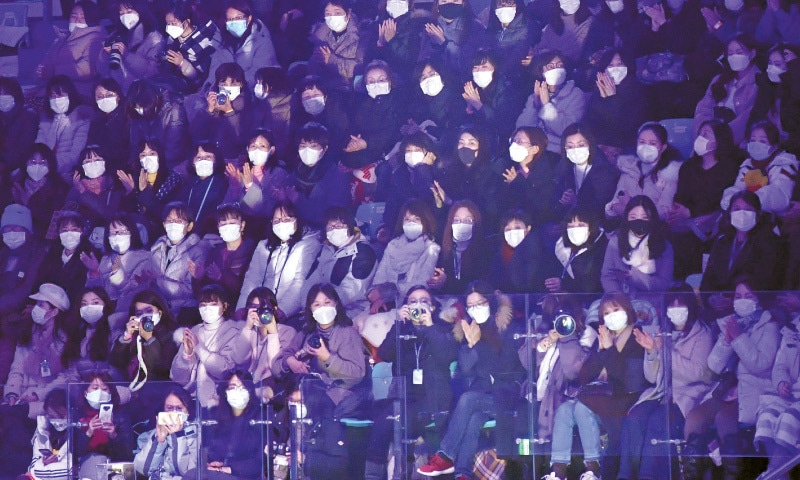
<point>222,97</point>
<point>115,56</point>
<point>265,315</point>
<point>416,313</point>
<point>146,323</point>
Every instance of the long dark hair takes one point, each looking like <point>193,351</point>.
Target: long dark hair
<point>150,297</point>
<point>684,294</point>
<point>329,291</point>
<point>719,88</point>
<point>587,215</point>
<point>224,410</point>
<point>104,377</point>
<point>489,331</point>
<point>48,156</point>
<point>289,210</point>
<point>657,242</point>
<point>61,84</point>
<point>669,154</point>
<point>557,23</point>
<point>98,349</point>
<point>750,198</point>
<point>476,243</point>
<point>727,150</point>
<point>59,331</point>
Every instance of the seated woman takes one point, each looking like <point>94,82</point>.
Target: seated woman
<point>126,268</point>
<point>98,192</point>
<point>652,172</point>
<point>430,348</point>
<point>639,257</point>
<point>188,48</point>
<point>265,336</point>
<point>208,350</point>
<point>18,125</point>
<point>172,448</point>
<point>410,258</point>
<point>205,187</point>
<point>177,259</point>
<point>110,127</point>
<point>235,446</point>
<point>339,363</point>
<point>39,187</point>
<point>436,100</point>
<point>315,101</point>
<point>52,436</point>
<point>462,258</point>
<point>346,260</point>
<point>107,435</point>
<point>157,116</point>
<point>580,252</point>
<point>488,358</point>
<point>281,262</point>
<point>90,336</point>
<point>156,184</point>
<point>339,47</point>
<point>769,170</point>
<point>519,259</point>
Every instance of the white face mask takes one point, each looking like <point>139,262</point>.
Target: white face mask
<point>259,91</point>
<point>555,77</point>
<point>337,23</point>
<point>517,152</point>
<point>412,230</point>
<point>396,8</point>
<point>92,313</point>
<point>59,104</point>
<point>37,172</point>
<point>758,151</point>
<point>578,235</point>
<point>774,73</point>
<point>233,92</point>
<point>238,397</point>
<point>617,74</point>
<point>678,315</point>
<point>129,20</point>
<point>6,103</point>
<point>314,105</point>
<point>462,232</point>
<point>204,168</point>
<point>482,78</point>
<point>743,220</point>
<point>432,86</point>
<point>647,153</point>
<point>376,89</point>
<point>569,7</point>
<point>210,313</point>
<point>514,237</point>
<point>94,169</point>
<point>505,14</point>
<point>309,156</point>
<point>615,6</point>
<point>414,158</point>
<point>701,145</point>
<point>738,62</point>
<point>59,424</point>
<point>107,104</point>
<point>284,230</point>
<point>744,306</point>
<point>39,315</point>
<point>150,164</point>
<point>120,243</point>
<point>14,240</point>
<point>230,232</point>
<point>324,315</point>
<point>338,237</point>
<point>74,26</point>
<point>70,240</point>
<point>734,5</point>
<point>616,321</point>
<point>175,232</point>
<point>95,398</point>
<point>174,31</point>
<point>578,155</point>
<point>258,157</point>
<point>479,313</point>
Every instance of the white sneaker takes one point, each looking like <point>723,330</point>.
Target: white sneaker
<point>552,476</point>
<point>589,476</point>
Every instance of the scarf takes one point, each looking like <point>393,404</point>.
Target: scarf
<point>639,257</point>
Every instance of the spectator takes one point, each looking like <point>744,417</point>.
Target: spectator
<point>18,125</point>
<point>462,258</point>
<point>62,263</point>
<point>510,34</point>
<point>338,47</point>
<point>399,36</point>
<point>187,50</point>
<point>272,105</point>
<point>51,436</point>
<point>453,35</point>
<point>776,24</point>
<point>435,107</point>
<point>40,188</point>
<point>580,251</point>
<point>110,127</point>
<point>157,116</point>
<point>518,264</point>
<point>567,29</point>
<point>90,336</point>
<point>227,262</point>
<point>156,184</point>
<point>96,190</point>
<point>315,101</point>
<point>206,186</point>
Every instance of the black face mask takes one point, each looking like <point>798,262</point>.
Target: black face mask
<point>467,155</point>
<point>640,227</point>
<point>451,11</point>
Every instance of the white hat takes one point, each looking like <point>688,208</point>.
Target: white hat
<point>19,215</point>
<point>54,294</point>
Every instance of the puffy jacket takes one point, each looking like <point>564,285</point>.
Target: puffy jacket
<point>777,193</point>
<point>171,265</point>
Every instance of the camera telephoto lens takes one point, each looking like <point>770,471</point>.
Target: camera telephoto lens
<point>264,315</point>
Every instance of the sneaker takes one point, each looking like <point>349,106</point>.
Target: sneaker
<point>551,476</point>
<point>436,466</point>
<point>589,476</point>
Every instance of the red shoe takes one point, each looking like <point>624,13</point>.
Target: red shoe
<point>436,466</point>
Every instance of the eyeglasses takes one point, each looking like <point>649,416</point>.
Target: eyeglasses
<point>276,221</point>
<point>482,303</point>
<point>111,233</point>
<point>464,221</point>
<point>553,66</point>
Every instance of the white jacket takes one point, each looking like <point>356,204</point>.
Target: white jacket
<point>661,192</point>
<point>776,194</point>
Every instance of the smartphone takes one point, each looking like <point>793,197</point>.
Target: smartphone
<point>45,452</point>
<point>170,418</point>
<point>106,411</point>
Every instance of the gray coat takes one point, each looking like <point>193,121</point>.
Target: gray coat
<point>172,269</point>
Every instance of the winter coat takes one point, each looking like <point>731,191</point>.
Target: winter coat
<point>112,132</point>
<point>581,273</point>
<point>236,443</point>
<point>18,130</point>
<point>264,350</point>
<point>657,281</point>
<point>378,122</point>
<point>230,132</point>
<point>283,270</point>
<point>349,269</point>
<point>232,264</point>
<point>776,419</point>
<point>204,195</point>
<point>58,470</point>
<point>597,189</point>
<point>169,126</point>
<point>21,267</point>
<point>157,354</point>
<point>66,135</point>
<point>402,51</point>
<point>758,259</point>
<point>70,275</point>
<point>407,263</point>
<point>780,175</point>
<point>135,269</point>
<point>99,208</point>
<point>744,97</point>
<point>620,114</point>
<point>564,109</point>
<point>140,60</point>
<point>634,181</point>
<point>177,455</point>
<point>255,52</point>
<point>258,200</point>
<point>318,188</point>
<point>347,51</point>
<point>700,190</point>
<point>527,191</point>
<point>522,269</point>
<point>570,42</point>
<point>44,201</point>
<point>171,266</point>
<point>756,350</point>
<point>76,57</point>
<point>463,37</point>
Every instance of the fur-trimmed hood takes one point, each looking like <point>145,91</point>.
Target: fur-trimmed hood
<point>457,312</point>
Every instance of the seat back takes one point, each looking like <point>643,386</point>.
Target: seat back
<point>13,15</point>
<point>680,134</point>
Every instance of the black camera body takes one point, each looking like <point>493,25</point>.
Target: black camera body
<point>416,314</point>
<point>115,56</point>
<point>265,315</point>
<point>315,340</point>
<point>222,97</point>
<point>146,322</point>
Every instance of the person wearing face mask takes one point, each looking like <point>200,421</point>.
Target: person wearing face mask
<point>131,51</point>
<point>487,358</point>
<point>281,262</point>
<point>110,127</point>
<point>64,124</point>
<point>732,94</point>
<point>272,105</point>
<point>747,246</point>
<point>246,41</point>
<point>453,35</point>
<point>652,172</point>
<point>768,171</point>
<point>340,384</point>
<point>90,338</point>
<point>579,251</point>
<point>187,49</point>
<point>155,185</point>
<point>52,435</point>
<point>338,45</point>
<point>462,258</point>
<point>690,345</point>
<point>98,191</point>
<point>555,102</point>
<point>18,125</point>
<point>208,350</point>
<point>39,187</point>
<point>518,263</point>
<point>430,348</point>
<point>206,187</point>
<point>315,101</point>
<point>62,264</point>
<point>399,36</point>
<point>509,32</point>
<point>774,90</point>
<point>567,30</point>
<point>411,256</point>
<point>435,99</point>
<point>227,262</point>
<point>346,260</point>
<point>75,52</point>
<point>639,257</point>
<point>157,116</point>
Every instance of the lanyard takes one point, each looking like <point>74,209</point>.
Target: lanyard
<point>417,351</point>
<point>203,202</point>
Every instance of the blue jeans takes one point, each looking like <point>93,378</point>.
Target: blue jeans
<point>571,413</point>
<point>460,443</point>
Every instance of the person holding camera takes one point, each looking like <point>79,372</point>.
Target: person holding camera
<point>187,52</point>
<point>421,348</point>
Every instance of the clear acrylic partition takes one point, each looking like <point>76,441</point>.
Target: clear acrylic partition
<point>124,430</point>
